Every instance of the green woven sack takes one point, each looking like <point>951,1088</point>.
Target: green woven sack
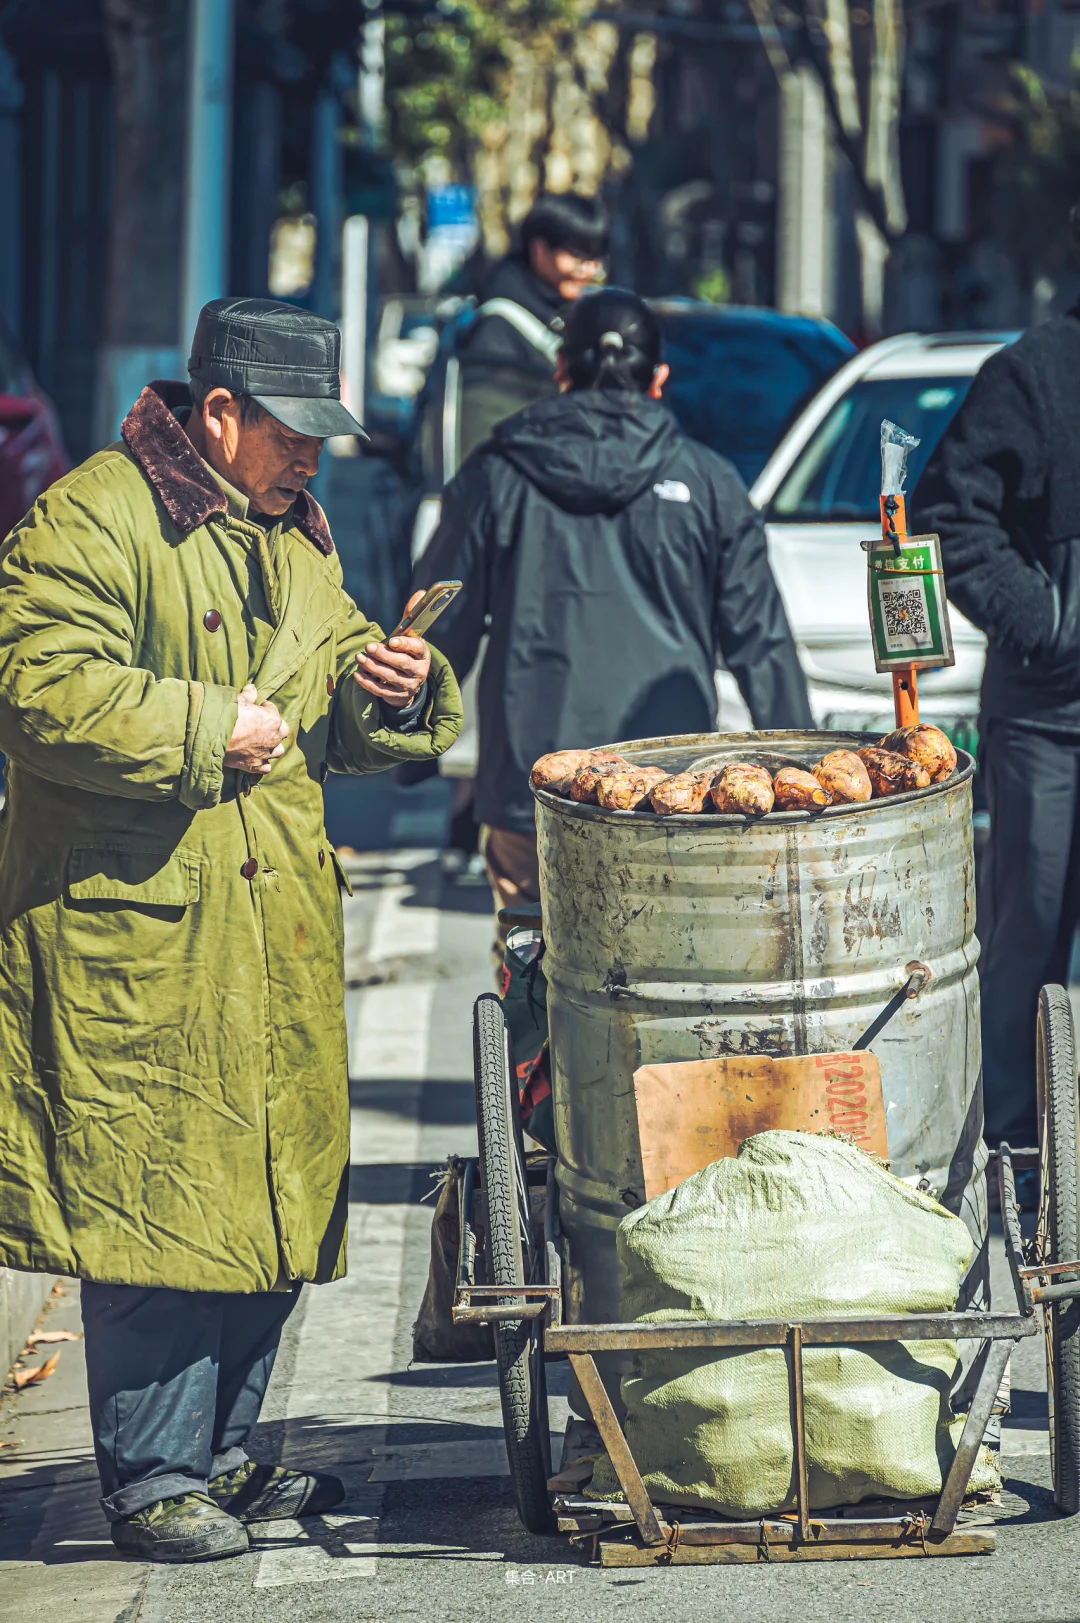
<point>795,1226</point>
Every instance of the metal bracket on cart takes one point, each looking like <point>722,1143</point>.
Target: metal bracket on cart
<point>918,979</point>
<point>502,1304</point>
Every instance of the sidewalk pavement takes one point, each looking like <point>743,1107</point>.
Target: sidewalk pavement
<point>428,1531</point>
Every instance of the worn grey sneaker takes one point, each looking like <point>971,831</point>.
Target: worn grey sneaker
<point>269,1493</point>
<point>189,1528</point>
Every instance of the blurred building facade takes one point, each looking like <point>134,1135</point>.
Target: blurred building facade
<point>742,185</point>
<point>743,159</point>
<point>95,101</point>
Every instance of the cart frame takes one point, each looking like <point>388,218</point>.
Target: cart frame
<point>637,1532</point>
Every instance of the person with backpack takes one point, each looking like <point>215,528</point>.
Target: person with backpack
<point>493,361</point>
<point>611,559</point>
<point>508,353</point>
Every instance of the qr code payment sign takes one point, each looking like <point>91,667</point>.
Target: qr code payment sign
<point>904,612</point>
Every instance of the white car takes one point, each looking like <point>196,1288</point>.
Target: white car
<point>819,494</point>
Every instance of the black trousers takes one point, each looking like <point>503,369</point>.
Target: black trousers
<point>176,1379</point>
<point>1032,888</point>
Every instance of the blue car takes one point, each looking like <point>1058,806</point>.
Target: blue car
<point>741,376</point>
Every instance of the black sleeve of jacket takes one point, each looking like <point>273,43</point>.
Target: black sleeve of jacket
<point>993,456</point>
<point>459,551</point>
<point>750,624</point>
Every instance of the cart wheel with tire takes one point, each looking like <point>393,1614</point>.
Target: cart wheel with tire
<point>515,1260</point>
<point>1057,1236</point>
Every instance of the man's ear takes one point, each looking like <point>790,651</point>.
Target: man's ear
<point>213,412</point>
<point>562,374</point>
<point>659,378</point>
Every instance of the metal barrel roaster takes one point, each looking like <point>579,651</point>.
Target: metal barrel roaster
<point>688,937</point>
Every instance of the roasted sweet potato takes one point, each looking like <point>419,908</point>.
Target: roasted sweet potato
<point>685,792</point>
<point>626,787</point>
<point>927,745</point>
<point>583,784</point>
<point>555,772</point>
<point>743,788</point>
<point>796,790</point>
<point>844,777</point>
<point>892,774</point>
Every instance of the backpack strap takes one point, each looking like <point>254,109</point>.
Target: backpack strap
<point>531,328</point>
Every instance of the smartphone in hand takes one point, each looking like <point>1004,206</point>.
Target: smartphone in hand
<point>424,614</point>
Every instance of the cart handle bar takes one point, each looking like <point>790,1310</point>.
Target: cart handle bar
<point>1056,1293</point>
<point>498,1315</point>
<point>574,1338</point>
<point>500,1310</point>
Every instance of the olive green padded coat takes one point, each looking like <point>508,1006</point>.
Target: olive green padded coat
<point>174,1101</point>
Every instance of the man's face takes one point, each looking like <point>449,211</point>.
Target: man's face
<point>567,272</point>
<point>267,462</point>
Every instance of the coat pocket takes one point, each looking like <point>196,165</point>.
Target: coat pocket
<point>344,882</point>
<point>133,874</point>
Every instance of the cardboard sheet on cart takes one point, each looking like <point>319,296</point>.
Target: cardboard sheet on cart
<point>699,1111</point>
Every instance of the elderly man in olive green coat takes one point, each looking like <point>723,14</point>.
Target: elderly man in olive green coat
<point>180,667</point>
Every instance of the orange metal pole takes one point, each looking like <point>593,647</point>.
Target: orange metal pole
<point>905,682</point>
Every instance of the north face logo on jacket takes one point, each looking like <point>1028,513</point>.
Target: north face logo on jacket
<point>672,490</point>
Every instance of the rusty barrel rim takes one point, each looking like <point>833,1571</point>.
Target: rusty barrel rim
<point>756,743</point>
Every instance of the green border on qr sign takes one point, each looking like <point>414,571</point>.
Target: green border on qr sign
<point>920,557</point>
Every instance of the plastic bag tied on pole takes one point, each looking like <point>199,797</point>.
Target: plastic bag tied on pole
<point>896,446</point>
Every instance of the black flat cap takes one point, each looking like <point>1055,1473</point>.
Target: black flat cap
<point>286,359</point>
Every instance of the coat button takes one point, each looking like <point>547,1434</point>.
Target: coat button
<point>250,868</point>
<point>322,859</point>
<point>324,772</point>
<point>211,620</point>
<point>330,684</point>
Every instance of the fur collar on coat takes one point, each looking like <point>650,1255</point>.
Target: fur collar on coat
<point>177,472</point>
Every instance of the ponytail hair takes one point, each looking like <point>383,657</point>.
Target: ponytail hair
<point>612,341</point>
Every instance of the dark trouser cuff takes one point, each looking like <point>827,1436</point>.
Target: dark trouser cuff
<point>140,1495</point>
<point>231,1460</point>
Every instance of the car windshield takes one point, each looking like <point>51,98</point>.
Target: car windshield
<point>736,387</point>
<point>837,475</point>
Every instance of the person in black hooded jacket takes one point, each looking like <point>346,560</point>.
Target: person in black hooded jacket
<point>1003,492</point>
<point>611,559</point>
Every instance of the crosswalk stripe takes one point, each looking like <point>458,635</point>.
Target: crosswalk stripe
<point>398,931</point>
<point>308,1563</point>
<point>389,1039</point>
<point>412,1462</point>
<point>1024,1440</point>
<point>389,1033</point>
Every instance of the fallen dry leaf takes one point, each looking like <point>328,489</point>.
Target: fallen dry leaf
<point>14,1442</point>
<point>34,1377</point>
<point>40,1336</point>
<point>58,1290</point>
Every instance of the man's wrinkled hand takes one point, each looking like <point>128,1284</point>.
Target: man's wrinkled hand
<point>259,736</point>
<point>395,671</point>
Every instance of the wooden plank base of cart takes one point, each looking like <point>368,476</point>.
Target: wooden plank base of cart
<point>614,1542</point>
<point>658,1535</point>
